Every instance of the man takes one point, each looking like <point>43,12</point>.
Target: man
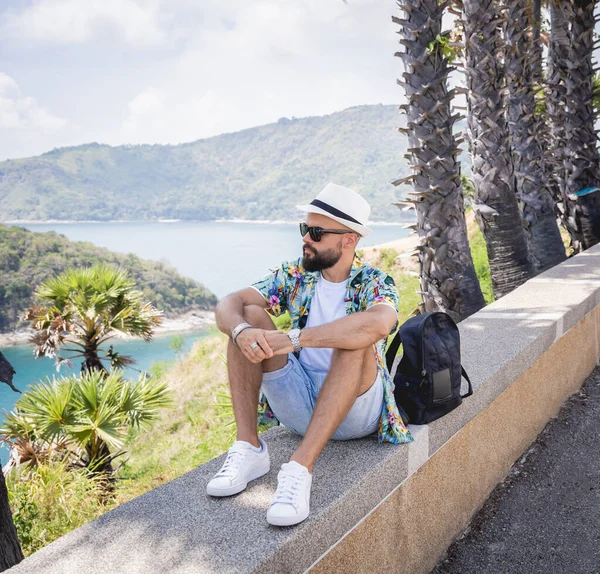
<point>326,378</point>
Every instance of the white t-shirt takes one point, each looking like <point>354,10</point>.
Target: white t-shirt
<point>327,305</point>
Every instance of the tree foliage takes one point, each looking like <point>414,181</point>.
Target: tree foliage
<point>81,309</point>
<point>27,259</point>
<point>84,419</point>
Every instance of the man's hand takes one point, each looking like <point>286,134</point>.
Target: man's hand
<point>279,342</point>
<point>245,341</point>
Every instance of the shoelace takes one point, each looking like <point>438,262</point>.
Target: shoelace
<point>232,463</point>
<point>288,488</point>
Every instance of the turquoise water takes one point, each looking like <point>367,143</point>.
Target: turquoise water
<point>29,369</point>
<point>223,256</point>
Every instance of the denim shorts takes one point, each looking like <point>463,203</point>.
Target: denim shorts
<point>292,392</point>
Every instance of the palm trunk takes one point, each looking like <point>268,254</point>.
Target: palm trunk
<point>536,203</point>
<point>448,279</point>
<point>536,46</point>
<point>555,95</point>
<point>92,360</point>
<point>99,458</point>
<point>581,154</point>
<point>10,547</point>
<point>496,204</point>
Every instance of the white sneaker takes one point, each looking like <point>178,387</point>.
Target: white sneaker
<point>243,464</point>
<point>291,503</point>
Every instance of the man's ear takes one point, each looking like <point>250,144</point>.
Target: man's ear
<point>351,240</point>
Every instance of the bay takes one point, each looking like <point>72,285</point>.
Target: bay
<point>225,256</point>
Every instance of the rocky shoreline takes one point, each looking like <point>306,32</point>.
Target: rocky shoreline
<point>192,321</point>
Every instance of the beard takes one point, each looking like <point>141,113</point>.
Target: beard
<point>312,260</point>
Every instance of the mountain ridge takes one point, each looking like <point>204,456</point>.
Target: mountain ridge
<point>256,173</point>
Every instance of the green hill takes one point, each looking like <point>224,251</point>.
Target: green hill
<point>28,258</point>
<point>257,173</point>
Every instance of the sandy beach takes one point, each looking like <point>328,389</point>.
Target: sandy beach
<point>404,247</point>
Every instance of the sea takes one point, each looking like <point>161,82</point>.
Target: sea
<point>224,256</point>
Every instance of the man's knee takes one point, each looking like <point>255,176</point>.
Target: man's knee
<point>353,356</point>
<point>258,317</point>
<point>361,361</point>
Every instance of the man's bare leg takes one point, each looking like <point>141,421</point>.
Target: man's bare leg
<point>351,374</point>
<point>245,377</point>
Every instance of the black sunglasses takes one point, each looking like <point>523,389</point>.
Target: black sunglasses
<point>317,232</point>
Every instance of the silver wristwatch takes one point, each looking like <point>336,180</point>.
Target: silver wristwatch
<point>294,336</point>
<point>237,330</point>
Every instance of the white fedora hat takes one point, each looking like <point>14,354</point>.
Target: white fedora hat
<point>343,205</point>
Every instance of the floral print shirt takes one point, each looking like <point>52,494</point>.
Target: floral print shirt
<point>290,288</point>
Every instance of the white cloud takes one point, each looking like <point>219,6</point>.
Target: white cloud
<point>215,66</point>
<point>26,127</point>
<point>250,63</point>
<point>79,21</point>
<point>24,113</point>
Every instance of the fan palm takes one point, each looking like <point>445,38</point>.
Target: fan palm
<point>570,92</point>
<point>525,127</point>
<point>82,309</point>
<point>496,204</point>
<point>448,278</point>
<point>83,418</point>
<point>581,158</point>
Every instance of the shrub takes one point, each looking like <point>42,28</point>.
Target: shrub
<point>85,418</point>
<point>51,500</point>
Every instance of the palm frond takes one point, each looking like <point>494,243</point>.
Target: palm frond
<point>141,400</point>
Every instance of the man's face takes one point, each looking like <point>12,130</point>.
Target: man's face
<point>317,256</point>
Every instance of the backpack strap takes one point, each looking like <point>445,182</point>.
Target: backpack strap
<point>470,391</point>
<point>390,354</point>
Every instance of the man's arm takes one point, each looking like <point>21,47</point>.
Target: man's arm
<point>355,331</point>
<point>230,313</point>
<point>230,310</point>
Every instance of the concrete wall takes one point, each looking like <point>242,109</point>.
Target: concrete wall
<point>374,508</point>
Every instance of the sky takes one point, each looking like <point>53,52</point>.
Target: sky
<point>172,71</point>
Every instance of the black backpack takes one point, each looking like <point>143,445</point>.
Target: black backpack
<point>429,374</point>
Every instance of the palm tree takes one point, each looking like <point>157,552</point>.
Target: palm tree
<point>570,93</point>
<point>10,547</point>
<point>84,419</point>
<point>448,278</point>
<point>496,204</point>
<point>82,309</point>
<point>581,156</point>
<point>525,127</point>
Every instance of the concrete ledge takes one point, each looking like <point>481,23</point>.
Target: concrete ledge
<point>374,507</point>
